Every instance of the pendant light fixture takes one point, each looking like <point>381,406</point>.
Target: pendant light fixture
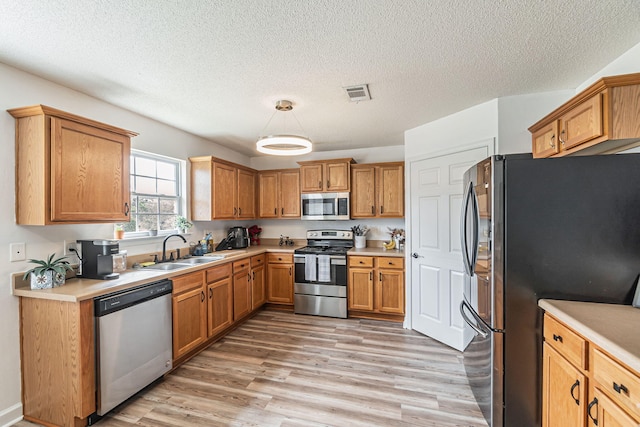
<point>283,144</point>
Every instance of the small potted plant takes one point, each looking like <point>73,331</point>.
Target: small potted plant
<point>49,273</point>
<point>118,232</point>
<point>183,224</point>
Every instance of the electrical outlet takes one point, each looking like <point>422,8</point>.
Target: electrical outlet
<point>68,245</point>
<point>17,252</point>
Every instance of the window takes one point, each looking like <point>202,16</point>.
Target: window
<point>155,193</point>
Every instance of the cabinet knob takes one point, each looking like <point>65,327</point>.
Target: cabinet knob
<point>551,143</point>
<point>557,338</point>
<point>620,388</point>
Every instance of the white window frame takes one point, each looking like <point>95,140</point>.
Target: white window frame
<point>179,198</point>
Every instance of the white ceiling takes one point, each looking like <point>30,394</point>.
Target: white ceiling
<point>215,68</point>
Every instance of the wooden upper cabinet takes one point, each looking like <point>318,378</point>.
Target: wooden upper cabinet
<point>246,190</point>
<point>377,190</point>
<point>279,193</point>
<point>602,119</point>
<point>325,176</point>
<point>69,169</point>
<point>221,190</point>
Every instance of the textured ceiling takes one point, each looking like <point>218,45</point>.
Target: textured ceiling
<point>216,68</point>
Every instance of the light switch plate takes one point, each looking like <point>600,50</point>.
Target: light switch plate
<point>17,252</point>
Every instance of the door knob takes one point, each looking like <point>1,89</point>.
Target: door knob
<point>415,255</point>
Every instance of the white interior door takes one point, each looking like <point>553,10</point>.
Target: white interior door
<point>437,273</point>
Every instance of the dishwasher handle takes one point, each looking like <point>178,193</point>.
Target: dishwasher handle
<point>123,299</point>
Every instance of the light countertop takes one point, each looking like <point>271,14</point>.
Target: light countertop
<point>612,327</point>
<point>376,251</point>
<point>79,289</point>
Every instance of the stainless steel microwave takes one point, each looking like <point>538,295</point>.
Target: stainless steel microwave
<point>325,206</point>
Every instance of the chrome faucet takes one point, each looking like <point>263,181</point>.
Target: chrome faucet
<point>164,245</point>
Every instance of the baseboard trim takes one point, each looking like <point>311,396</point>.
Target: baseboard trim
<point>11,415</point>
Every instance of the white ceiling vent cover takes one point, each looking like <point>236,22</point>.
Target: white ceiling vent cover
<point>358,93</point>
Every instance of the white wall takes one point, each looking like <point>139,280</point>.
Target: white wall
<point>625,64</point>
<point>473,124</point>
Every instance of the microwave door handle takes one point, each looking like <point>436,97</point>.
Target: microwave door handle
<point>463,230</point>
<point>476,327</point>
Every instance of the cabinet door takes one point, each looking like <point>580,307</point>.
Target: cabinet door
<point>189,321</point>
<point>280,283</point>
<point>360,289</point>
<point>311,178</point>
<point>246,193</point>
<point>390,291</point>
<point>363,192</point>
<point>583,123</point>
<point>259,295</point>
<point>610,414</point>
<point>241,294</point>
<point>390,189</point>
<point>289,194</point>
<point>268,195</point>
<point>564,391</point>
<point>89,173</point>
<point>224,192</point>
<point>220,306</point>
<point>336,176</point>
<point>545,141</point>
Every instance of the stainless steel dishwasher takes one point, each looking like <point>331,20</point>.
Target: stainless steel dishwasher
<point>133,341</point>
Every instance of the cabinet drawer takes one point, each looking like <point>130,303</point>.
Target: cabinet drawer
<point>220,272</point>
<point>361,261</point>
<point>187,282</point>
<point>619,383</point>
<point>257,260</point>
<point>571,345</point>
<point>390,262</point>
<point>279,258</point>
<point>240,265</point>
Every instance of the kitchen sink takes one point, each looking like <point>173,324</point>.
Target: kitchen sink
<point>194,261</point>
<point>168,266</point>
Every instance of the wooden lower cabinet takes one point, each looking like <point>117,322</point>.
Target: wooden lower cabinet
<point>189,313</point>
<point>582,384</point>
<point>258,281</point>
<point>280,278</point>
<point>565,386</point>
<point>376,286</point>
<point>58,361</point>
<point>609,414</point>
<point>241,288</point>
<point>219,299</point>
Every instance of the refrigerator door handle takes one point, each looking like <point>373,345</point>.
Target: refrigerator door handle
<point>463,230</point>
<point>469,322</point>
<point>476,229</point>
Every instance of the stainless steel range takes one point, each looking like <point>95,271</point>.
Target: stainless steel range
<point>321,273</point>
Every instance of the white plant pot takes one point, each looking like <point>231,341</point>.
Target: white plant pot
<point>47,281</point>
<point>361,241</point>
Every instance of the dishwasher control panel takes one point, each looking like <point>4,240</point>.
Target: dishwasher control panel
<point>123,299</point>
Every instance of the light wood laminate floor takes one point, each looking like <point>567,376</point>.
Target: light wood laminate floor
<point>281,369</point>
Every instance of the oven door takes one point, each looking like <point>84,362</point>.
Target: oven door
<point>304,273</point>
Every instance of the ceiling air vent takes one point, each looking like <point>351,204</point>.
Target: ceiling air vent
<point>358,93</point>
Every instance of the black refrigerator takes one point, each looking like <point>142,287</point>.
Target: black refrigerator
<point>563,228</point>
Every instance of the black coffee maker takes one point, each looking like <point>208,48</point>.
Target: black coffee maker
<point>97,259</point>
<point>237,238</point>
